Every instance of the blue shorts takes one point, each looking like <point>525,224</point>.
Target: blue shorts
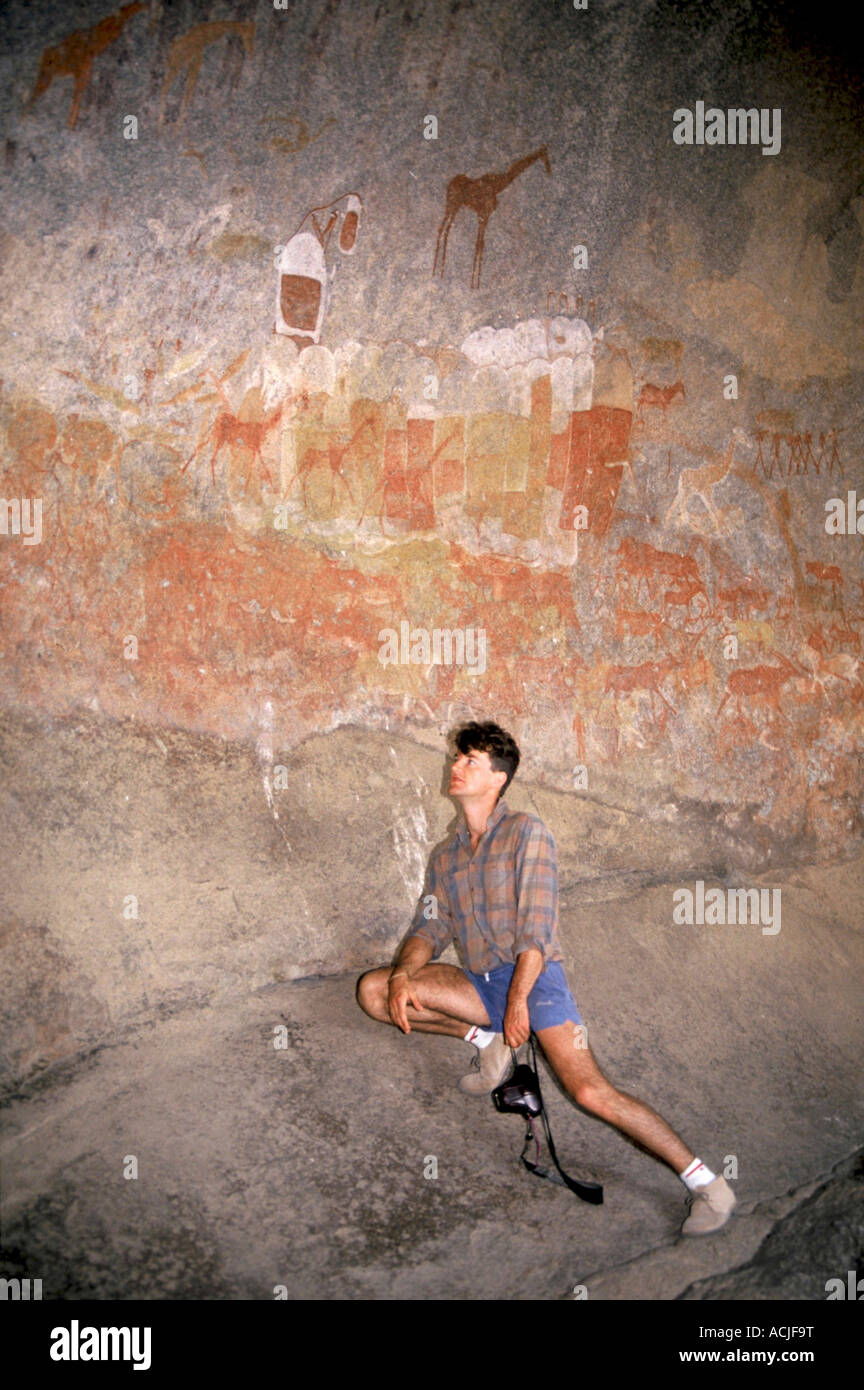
<point>550,1001</point>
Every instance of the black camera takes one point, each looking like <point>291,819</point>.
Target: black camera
<point>519,1094</point>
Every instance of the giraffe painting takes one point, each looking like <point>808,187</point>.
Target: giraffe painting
<point>187,54</point>
<point>74,56</point>
<point>481,196</point>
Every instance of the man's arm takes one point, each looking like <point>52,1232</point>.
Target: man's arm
<point>415,953</point>
<point>536,890</point>
<point>517,1027</point>
<point>400,989</point>
<point>537,915</point>
<point>427,938</point>
<point>433,921</point>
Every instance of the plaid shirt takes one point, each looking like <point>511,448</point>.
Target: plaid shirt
<point>498,902</point>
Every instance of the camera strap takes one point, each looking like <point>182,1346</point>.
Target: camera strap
<point>588,1191</point>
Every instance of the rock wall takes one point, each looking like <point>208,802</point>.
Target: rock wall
<point>383,367</point>
<point>147,872</point>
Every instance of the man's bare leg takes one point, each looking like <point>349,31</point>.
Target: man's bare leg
<point>450,1001</point>
<point>581,1077</point>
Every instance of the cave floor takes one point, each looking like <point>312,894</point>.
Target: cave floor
<point>345,1164</point>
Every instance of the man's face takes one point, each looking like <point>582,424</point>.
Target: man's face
<point>472,777</point>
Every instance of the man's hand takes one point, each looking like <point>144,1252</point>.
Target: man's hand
<point>402,992</point>
<point>517,1022</point>
<point>517,1027</point>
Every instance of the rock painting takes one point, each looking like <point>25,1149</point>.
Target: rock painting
<point>238,433</point>
<point>407,506</point>
<point>657,398</point>
<point>700,482</point>
<point>295,135</point>
<point>567,305</point>
<point>796,452</point>
<point>304,278</point>
<point>187,54</point>
<point>480,196</point>
<point>74,57</point>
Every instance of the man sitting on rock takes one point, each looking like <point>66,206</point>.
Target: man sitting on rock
<point>494,887</point>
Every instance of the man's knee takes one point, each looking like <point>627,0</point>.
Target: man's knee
<point>589,1087</point>
<point>597,1095</point>
<point>370,992</point>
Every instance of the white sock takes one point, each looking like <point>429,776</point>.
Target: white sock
<point>697,1175</point>
<point>480,1037</point>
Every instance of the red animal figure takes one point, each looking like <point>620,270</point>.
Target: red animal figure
<point>845,636</point>
<point>759,683</point>
<point>228,430</point>
<point>826,574</point>
<point>684,594</point>
<point>820,642</point>
<point>73,57</point>
<point>637,622</point>
<point>391,479</point>
<point>315,458</point>
<point>508,581</point>
<point>658,397</point>
<point>637,559</point>
<point>841,667</point>
<point>694,674</point>
<point>650,675</point>
<point>748,596</point>
<point>187,52</point>
<point>481,196</point>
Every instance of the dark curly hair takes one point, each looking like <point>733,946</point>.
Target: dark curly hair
<point>490,738</point>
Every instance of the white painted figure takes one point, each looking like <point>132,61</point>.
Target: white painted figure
<point>303,276</point>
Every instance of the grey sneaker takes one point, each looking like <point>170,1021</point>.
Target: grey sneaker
<point>493,1067</point>
<point>711,1207</point>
